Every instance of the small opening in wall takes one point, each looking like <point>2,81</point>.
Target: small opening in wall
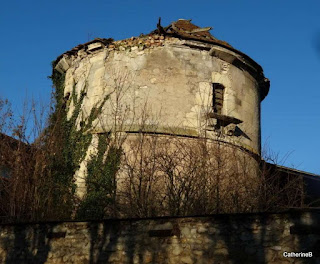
<point>217,97</point>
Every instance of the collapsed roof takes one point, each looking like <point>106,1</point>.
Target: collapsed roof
<point>183,28</point>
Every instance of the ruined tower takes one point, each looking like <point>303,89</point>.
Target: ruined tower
<point>178,81</point>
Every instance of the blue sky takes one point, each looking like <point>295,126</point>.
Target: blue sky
<point>281,36</point>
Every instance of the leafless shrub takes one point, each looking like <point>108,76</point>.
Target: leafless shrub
<point>159,174</point>
<point>23,164</point>
<point>279,189</point>
<point>170,175</point>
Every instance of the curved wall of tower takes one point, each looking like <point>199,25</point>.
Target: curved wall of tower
<point>167,85</point>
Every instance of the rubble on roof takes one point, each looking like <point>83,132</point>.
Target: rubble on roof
<point>180,29</point>
<point>101,42</point>
<point>184,29</point>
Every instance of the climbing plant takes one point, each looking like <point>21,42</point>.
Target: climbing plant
<point>100,199</point>
<point>70,139</point>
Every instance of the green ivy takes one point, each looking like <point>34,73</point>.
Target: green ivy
<point>101,181</point>
<point>70,143</point>
<point>62,160</point>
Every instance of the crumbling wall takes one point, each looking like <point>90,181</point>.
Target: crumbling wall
<point>171,80</point>
<point>162,85</point>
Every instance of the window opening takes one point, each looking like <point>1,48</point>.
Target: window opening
<point>217,97</point>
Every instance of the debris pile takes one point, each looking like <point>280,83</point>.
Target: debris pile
<point>181,29</point>
<point>184,29</point>
<point>133,43</point>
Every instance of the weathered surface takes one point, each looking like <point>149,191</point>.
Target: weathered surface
<point>172,82</point>
<point>164,84</point>
<point>247,238</point>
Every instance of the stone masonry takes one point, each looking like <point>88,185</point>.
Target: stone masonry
<point>238,238</point>
<point>178,80</point>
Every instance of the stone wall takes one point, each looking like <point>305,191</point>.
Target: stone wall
<point>164,88</point>
<point>171,81</point>
<point>238,238</point>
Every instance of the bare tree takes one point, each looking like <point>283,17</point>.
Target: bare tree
<point>131,172</point>
<point>172,175</point>
<point>25,187</point>
<point>279,189</point>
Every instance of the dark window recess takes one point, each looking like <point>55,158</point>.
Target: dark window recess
<point>217,97</point>
<point>56,235</point>
<point>167,232</point>
<point>161,233</point>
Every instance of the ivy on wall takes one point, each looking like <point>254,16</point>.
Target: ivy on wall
<point>100,198</point>
<point>69,140</point>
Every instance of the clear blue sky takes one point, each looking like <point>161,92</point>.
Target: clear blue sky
<point>280,35</point>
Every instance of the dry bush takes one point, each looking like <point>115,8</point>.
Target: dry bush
<point>158,174</point>
<point>279,189</point>
<point>23,190</point>
<point>170,175</point>
<point>32,154</point>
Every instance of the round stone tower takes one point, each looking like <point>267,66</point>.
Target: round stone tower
<point>178,80</point>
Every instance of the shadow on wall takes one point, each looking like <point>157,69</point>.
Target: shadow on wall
<point>29,244</point>
<point>126,242</point>
<point>229,238</point>
<point>306,230</point>
<point>262,238</point>
<point>103,241</point>
<point>223,238</point>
